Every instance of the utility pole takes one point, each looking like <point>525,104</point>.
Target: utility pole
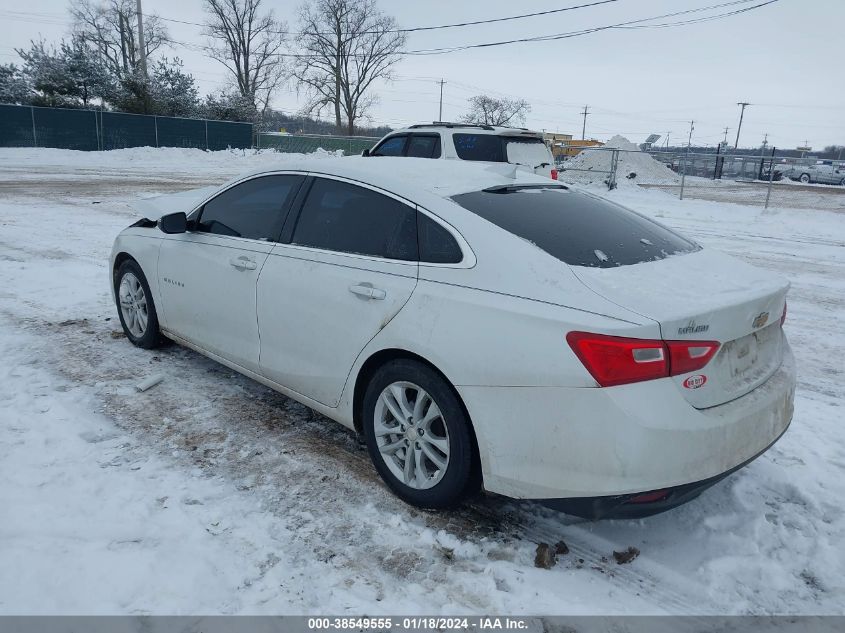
<point>765,141</point>
<point>441,82</point>
<point>726,136</point>
<point>743,104</point>
<point>667,138</point>
<point>584,127</point>
<point>691,128</point>
<point>141,45</point>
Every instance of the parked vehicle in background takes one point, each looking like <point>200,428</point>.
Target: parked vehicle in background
<point>463,141</point>
<point>828,172</point>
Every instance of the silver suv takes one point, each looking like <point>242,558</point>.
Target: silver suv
<point>463,141</point>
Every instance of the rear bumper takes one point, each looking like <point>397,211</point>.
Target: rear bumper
<point>642,504</point>
<point>591,446</point>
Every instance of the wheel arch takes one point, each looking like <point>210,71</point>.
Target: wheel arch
<point>119,259</point>
<point>379,359</point>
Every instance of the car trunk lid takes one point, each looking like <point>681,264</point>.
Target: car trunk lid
<point>705,296</point>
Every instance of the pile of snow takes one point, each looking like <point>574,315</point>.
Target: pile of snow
<point>634,166</point>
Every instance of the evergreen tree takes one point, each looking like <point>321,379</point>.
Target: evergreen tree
<point>85,69</point>
<point>173,92</point>
<point>229,106</point>
<point>14,87</point>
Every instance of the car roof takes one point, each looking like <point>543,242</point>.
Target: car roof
<point>472,127</point>
<point>410,177</point>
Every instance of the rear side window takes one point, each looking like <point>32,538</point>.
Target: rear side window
<point>487,147</point>
<point>338,216</point>
<point>253,209</point>
<point>437,246</point>
<point>577,229</point>
<point>424,146</point>
<point>393,146</point>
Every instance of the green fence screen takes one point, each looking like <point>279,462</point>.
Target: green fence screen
<point>16,126</point>
<point>305,144</point>
<point>27,126</point>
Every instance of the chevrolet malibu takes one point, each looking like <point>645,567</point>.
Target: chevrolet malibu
<point>480,326</point>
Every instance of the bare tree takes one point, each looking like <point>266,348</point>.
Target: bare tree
<point>112,28</point>
<point>485,110</point>
<point>247,43</point>
<point>346,45</point>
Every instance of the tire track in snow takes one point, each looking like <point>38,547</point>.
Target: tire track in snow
<point>324,447</point>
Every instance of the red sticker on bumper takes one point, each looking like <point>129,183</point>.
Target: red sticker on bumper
<point>694,382</point>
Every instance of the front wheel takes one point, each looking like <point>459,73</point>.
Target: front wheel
<point>419,436</point>
<point>805,178</point>
<point>135,306</point>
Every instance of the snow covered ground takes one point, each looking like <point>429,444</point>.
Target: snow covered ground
<point>212,494</point>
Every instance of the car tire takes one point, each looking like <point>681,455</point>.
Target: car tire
<point>135,306</point>
<point>842,182</point>
<point>436,436</point>
<point>805,178</point>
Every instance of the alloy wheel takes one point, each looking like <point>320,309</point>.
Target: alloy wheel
<point>411,435</point>
<point>133,305</point>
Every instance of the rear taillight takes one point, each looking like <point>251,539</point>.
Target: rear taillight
<point>687,356</point>
<point>617,360</point>
<point>554,174</point>
<point>783,316</point>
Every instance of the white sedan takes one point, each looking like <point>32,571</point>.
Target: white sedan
<point>480,326</point>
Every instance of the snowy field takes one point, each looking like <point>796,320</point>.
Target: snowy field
<point>212,494</point>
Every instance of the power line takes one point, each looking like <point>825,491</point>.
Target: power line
<point>570,34</point>
<point>417,29</point>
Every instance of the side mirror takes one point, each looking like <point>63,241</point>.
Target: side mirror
<point>365,153</point>
<point>173,223</point>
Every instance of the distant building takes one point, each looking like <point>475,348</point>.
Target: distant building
<point>557,142</point>
<point>574,146</point>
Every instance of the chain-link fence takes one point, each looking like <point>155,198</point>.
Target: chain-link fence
<point>307,143</point>
<point>63,128</point>
<point>764,180</point>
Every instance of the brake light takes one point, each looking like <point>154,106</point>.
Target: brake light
<point>618,360</point>
<point>554,174</point>
<point>687,356</point>
<point>783,316</point>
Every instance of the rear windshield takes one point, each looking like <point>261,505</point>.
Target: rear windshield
<point>501,149</point>
<point>576,228</point>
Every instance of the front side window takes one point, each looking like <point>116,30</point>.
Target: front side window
<point>393,146</point>
<point>339,216</point>
<point>421,146</point>
<point>577,229</point>
<point>253,209</point>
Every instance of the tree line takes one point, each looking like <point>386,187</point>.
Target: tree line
<point>332,58</point>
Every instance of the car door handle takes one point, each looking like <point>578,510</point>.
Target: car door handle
<point>243,263</point>
<point>368,292</point>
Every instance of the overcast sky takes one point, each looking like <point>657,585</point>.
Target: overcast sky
<point>784,58</point>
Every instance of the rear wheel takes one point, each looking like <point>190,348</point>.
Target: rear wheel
<point>418,435</point>
<point>135,306</point>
